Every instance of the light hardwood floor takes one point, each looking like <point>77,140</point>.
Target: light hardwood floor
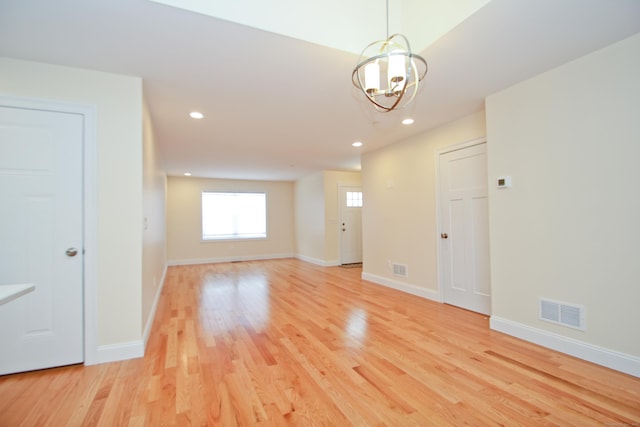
<point>284,342</point>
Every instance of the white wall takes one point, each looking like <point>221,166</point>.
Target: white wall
<point>118,102</point>
<point>569,227</point>
<point>184,223</point>
<point>154,252</point>
<point>399,213</point>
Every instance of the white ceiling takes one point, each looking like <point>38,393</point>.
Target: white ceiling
<point>353,24</point>
<point>281,108</point>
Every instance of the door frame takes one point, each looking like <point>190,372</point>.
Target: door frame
<point>90,208</point>
<point>438,153</point>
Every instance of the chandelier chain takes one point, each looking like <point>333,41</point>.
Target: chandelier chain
<point>387,19</point>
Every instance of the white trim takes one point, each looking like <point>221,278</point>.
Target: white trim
<point>118,352</point>
<point>91,238</point>
<point>439,152</point>
<point>227,259</point>
<point>401,286</point>
<point>318,261</point>
<point>154,308</point>
<point>90,186</point>
<point>599,355</point>
<point>459,146</point>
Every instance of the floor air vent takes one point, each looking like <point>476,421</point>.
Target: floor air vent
<point>400,270</point>
<point>569,315</point>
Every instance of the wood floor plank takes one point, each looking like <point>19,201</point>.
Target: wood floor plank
<point>288,343</point>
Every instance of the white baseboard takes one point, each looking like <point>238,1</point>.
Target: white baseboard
<point>401,286</point>
<point>599,355</point>
<point>318,261</point>
<point>132,349</point>
<point>118,352</point>
<point>227,259</point>
<point>154,307</point>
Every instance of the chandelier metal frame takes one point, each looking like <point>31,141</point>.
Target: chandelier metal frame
<point>384,56</point>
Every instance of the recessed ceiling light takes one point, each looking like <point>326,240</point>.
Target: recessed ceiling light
<point>357,144</point>
<point>187,174</point>
<point>407,122</point>
<point>196,115</point>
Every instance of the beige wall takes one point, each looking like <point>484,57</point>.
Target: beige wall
<point>154,253</point>
<point>317,213</point>
<point>309,218</point>
<point>184,229</point>
<point>569,229</point>
<point>399,214</point>
<point>118,102</point>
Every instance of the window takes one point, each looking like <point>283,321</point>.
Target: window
<point>233,215</point>
<point>354,199</point>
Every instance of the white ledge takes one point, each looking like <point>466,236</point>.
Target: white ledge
<point>10,292</point>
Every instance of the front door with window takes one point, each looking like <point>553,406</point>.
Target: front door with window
<point>350,225</point>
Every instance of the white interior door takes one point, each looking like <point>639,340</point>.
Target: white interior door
<point>350,224</point>
<point>41,238</point>
<point>464,230</point>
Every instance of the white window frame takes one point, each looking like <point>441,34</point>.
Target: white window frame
<point>230,237</point>
<point>354,199</point>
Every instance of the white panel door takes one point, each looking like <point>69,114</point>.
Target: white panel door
<point>464,229</point>
<point>41,238</point>
<point>350,225</point>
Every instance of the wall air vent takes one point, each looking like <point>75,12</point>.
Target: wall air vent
<point>399,270</point>
<point>570,315</point>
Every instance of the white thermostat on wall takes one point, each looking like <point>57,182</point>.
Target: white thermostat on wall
<point>503,182</point>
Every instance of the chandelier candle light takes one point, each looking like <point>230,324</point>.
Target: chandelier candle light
<point>402,71</point>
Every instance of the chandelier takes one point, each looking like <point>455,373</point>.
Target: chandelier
<point>388,72</point>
